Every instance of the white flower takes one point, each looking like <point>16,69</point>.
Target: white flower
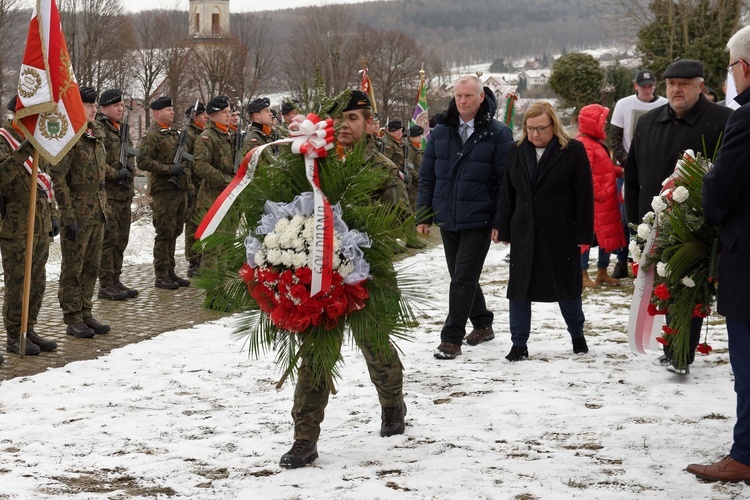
<point>346,269</point>
<point>336,261</point>
<point>271,240</point>
<point>643,230</point>
<point>287,257</point>
<point>649,217</point>
<point>260,258</point>
<point>287,237</point>
<point>273,257</point>
<point>658,204</point>
<point>298,244</point>
<point>635,250</point>
<point>281,225</point>
<point>661,269</point>
<point>299,260</point>
<point>336,243</point>
<point>680,194</point>
<point>688,282</point>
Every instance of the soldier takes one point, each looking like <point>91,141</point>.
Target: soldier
<point>393,145</point>
<point>289,111</point>
<point>413,161</point>
<point>80,192</point>
<point>214,163</point>
<point>260,131</point>
<point>195,129</point>
<point>168,187</point>
<point>386,372</point>
<point>120,192</point>
<point>15,185</point>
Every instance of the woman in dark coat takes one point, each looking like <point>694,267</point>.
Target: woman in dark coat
<point>546,213</point>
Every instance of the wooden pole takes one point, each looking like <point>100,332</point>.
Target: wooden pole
<point>29,251</point>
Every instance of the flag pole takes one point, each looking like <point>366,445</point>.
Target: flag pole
<point>29,251</point>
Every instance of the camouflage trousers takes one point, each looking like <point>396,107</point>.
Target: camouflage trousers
<point>79,271</point>
<point>168,209</point>
<point>14,260</point>
<point>311,398</point>
<point>191,226</point>
<point>116,236</point>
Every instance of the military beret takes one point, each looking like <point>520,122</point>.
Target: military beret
<point>110,96</point>
<point>88,94</point>
<point>198,110</point>
<point>217,104</point>
<point>394,125</point>
<point>258,105</point>
<point>415,131</point>
<point>358,100</point>
<point>684,68</point>
<point>12,103</point>
<point>288,106</point>
<point>161,103</point>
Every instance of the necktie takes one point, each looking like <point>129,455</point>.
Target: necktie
<point>464,132</point>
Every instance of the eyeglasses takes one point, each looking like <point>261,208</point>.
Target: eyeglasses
<point>539,130</point>
<point>730,68</point>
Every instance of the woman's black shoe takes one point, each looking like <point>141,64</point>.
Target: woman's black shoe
<point>579,346</point>
<point>516,353</point>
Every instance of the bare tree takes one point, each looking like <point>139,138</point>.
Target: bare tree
<point>13,25</point>
<point>255,56</point>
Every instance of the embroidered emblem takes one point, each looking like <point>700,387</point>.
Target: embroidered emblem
<point>53,125</point>
<point>29,83</point>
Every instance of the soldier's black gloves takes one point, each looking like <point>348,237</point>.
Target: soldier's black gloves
<point>71,231</point>
<point>130,168</point>
<point>178,170</point>
<point>55,228</point>
<point>123,173</point>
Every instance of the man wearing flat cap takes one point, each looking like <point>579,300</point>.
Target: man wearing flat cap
<point>168,187</point>
<point>82,200</point>
<point>197,120</point>
<point>261,128</point>
<point>386,372</point>
<point>214,163</point>
<point>393,145</point>
<point>687,121</point>
<point>120,192</point>
<point>15,186</point>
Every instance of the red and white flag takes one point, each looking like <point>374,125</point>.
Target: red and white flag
<point>49,108</point>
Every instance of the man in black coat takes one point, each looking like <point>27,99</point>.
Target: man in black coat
<point>688,121</point>
<point>459,184</point>
<point>726,202</point>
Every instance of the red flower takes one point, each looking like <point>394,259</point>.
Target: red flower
<point>667,330</point>
<point>661,292</point>
<point>634,267</point>
<point>704,348</point>
<point>653,310</point>
<point>701,311</point>
<point>662,340</point>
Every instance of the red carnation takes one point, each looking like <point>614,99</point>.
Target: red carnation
<point>662,292</point>
<point>667,330</point>
<point>704,348</point>
<point>662,340</point>
<point>701,311</point>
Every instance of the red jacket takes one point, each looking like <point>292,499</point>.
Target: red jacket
<point>607,221</point>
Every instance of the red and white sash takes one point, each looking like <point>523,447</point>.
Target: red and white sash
<point>43,181</point>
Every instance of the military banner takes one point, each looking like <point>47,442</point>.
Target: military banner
<point>366,86</point>
<point>420,116</point>
<point>49,108</point>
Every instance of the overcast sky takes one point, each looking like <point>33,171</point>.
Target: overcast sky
<point>234,5</point>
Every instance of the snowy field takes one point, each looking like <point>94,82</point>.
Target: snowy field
<point>189,415</point>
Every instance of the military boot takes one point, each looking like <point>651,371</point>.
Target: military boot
<point>80,331</point>
<point>44,344</point>
<point>193,270</point>
<point>132,292</point>
<point>301,454</point>
<point>111,292</point>
<point>178,280</point>
<point>392,420</point>
<point>166,283</point>
<point>12,346</point>
<point>97,327</point>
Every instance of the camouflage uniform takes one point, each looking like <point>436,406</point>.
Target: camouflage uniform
<point>80,192</point>
<point>120,194</point>
<point>15,185</point>
<point>255,137</point>
<point>168,201</point>
<point>393,150</point>
<point>214,163</point>
<point>311,396</point>
<point>191,217</point>
<point>413,162</point>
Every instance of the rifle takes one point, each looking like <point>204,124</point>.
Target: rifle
<point>239,138</point>
<point>126,151</point>
<point>180,153</point>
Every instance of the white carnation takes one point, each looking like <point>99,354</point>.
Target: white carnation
<point>297,223</point>
<point>286,238</point>
<point>649,217</point>
<point>298,244</point>
<point>661,269</point>
<point>635,251</point>
<point>260,258</point>
<point>643,230</point>
<point>680,194</point>
<point>336,243</point>
<point>299,260</point>
<point>281,225</point>
<point>287,258</point>
<point>346,269</point>
<point>688,282</point>
<point>271,240</point>
<point>273,257</point>
<point>658,204</point>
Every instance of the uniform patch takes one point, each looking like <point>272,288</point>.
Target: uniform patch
<point>253,140</point>
<point>204,138</point>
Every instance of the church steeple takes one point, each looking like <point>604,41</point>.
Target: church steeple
<point>209,18</point>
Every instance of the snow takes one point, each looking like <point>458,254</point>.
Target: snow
<point>189,414</point>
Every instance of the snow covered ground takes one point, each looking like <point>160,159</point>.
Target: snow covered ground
<point>189,415</point>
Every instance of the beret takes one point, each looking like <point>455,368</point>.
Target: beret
<point>200,109</point>
<point>217,104</point>
<point>88,94</point>
<point>12,103</point>
<point>415,131</point>
<point>110,96</point>
<point>258,104</point>
<point>358,100</point>
<point>288,106</point>
<point>684,68</point>
<point>394,125</point>
<point>161,103</point>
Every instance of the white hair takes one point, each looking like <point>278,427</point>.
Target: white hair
<point>739,44</point>
<point>471,79</point>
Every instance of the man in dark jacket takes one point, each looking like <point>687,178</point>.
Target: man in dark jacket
<point>726,202</point>
<point>459,183</point>
<point>688,121</point>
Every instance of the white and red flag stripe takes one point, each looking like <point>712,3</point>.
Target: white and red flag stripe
<point>49,108</point>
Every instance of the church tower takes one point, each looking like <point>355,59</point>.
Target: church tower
<point>209,18</point>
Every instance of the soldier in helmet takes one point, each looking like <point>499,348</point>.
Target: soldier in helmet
<point>261,128</point>
<point>15,184</point>
<point>82,198</point>
<point>120,192</point>
<point>195,128</point>
<point>168,187</point>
